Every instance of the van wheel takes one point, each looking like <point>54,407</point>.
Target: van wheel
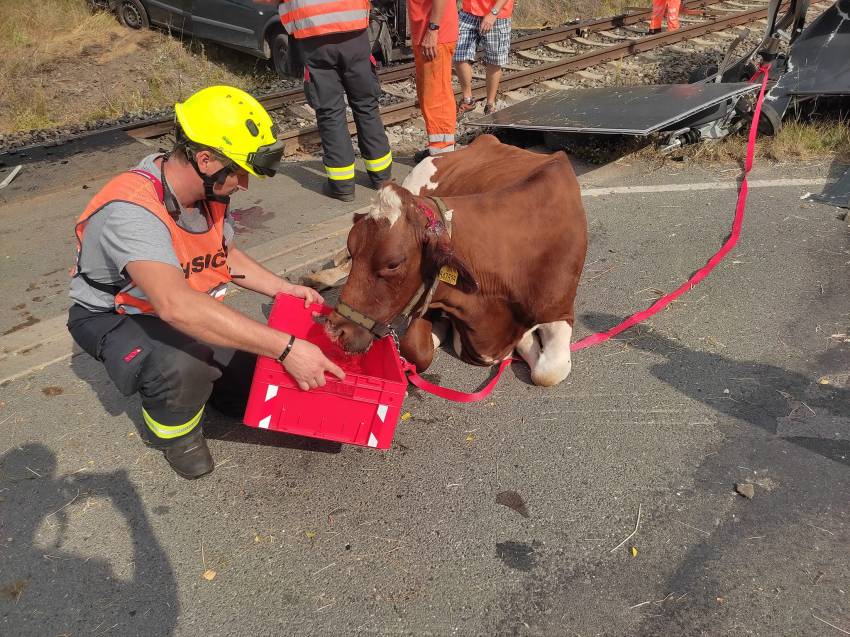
<point>132,14</point>
<point>286,61</point>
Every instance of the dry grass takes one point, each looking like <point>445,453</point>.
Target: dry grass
<point>797,140</point>
<point>538,13</point>
<point>64,65</point>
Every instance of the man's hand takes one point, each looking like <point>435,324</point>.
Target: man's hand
<point>303,292</point>
<point>487,23</point>
<point>429,45</point>
<point>308,365</point>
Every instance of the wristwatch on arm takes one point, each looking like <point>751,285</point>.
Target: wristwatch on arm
<point>494,11</point>
<point>433,26</point>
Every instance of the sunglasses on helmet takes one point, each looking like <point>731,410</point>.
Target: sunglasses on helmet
<point>266,159</point>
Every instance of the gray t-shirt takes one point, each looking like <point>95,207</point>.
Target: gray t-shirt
<point>122,232</point>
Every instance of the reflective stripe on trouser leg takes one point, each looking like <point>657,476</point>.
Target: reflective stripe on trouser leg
<point>436,97</point>
<point>380,168</point>
<point>377,165</point>
<point>441,143</point>
<point>342,173</point>
<point>168,432</point>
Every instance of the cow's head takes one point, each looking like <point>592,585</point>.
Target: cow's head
<point>394,248</point>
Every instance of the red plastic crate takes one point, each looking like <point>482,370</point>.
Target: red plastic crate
<point>361,410</point>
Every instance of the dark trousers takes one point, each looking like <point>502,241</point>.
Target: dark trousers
<point>174,374</point>
<point>335,66</point>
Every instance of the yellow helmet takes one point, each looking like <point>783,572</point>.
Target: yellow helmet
<point>232,123</point>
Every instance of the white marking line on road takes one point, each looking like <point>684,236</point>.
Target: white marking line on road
<point>711,185</point>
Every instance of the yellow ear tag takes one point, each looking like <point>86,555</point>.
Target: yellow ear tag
<point>448,275</point>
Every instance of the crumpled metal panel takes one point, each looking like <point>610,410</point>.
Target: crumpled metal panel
<point>631,110</point>
<point>819,61</point>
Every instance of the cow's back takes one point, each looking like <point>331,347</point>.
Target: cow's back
<point>483,166</point>
<point>529,237</point>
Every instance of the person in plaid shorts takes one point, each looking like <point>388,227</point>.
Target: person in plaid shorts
<point>487,22</point>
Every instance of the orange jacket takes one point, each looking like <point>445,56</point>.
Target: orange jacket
<point>202,255</point>
<point>309,18</point>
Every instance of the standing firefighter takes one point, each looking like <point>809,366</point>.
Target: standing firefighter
<point>154,255</point>
<point>659,9</point>
<point>334,46</point>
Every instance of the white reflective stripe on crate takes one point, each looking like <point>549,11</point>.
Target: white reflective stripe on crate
<point>382,412</point>
<point>264,423</point>
<point>373,442</point>
<point>271,392</point>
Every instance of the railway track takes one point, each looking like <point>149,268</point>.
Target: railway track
<point>576,47</point>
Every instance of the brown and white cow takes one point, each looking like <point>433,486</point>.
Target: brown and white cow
<point>518,243</point>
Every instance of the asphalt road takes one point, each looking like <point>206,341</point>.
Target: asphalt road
<point>743,380</point>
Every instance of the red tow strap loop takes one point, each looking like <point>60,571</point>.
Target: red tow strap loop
<point>660,304</point>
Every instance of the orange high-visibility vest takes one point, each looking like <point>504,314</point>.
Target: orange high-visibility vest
<point>202,255</point>
<point>309,18</point>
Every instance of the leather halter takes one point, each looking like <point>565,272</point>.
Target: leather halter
<point>437,223</point>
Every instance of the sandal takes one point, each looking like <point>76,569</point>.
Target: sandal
<point>465,105</point>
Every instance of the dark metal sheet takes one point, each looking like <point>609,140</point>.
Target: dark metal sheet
<point>631,110</point>
<point>819,61</point>
<point>837,194</point>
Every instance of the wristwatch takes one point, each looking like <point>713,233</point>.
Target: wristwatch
<point>494,11</point>
<point>433,26</point>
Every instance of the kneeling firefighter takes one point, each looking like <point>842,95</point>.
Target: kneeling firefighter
<point>155,253</point>
<point>333,43</point>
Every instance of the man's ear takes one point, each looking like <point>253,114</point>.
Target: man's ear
<point>439,259</point>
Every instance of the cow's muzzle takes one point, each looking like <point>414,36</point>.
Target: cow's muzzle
<point>350,336</point>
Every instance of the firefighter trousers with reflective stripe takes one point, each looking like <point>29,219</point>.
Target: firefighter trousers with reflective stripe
<point>173,374</point>
<point>337,66</point>
<point>436,97</point>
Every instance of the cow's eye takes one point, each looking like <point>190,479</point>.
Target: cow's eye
<point>390,268</point>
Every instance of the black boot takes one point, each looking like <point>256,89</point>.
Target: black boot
<point>419,155</point>
<point>189,455</point>
<point>337,193</point>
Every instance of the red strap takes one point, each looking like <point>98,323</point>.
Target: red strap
<point>638,317</point>
<point>703,272</point>
<point>453,394</point>
<point>157,184</point>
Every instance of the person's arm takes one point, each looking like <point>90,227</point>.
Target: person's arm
<point>429,40</point>
<point>251,275</point>
<point>489,20</point>
<point>203,318</point>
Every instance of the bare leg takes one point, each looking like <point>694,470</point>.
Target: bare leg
<point>494,76</point>
<point>464,76</point>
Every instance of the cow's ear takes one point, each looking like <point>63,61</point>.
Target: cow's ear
<point>357,217</point>
<point>439,259</point>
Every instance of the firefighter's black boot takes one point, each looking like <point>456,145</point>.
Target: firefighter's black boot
<point>189,455</point>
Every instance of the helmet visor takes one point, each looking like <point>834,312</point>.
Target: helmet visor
<point>266,159</point>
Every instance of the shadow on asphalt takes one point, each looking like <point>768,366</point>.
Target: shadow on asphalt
<point>781,402</point>
<point>47,589</point>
